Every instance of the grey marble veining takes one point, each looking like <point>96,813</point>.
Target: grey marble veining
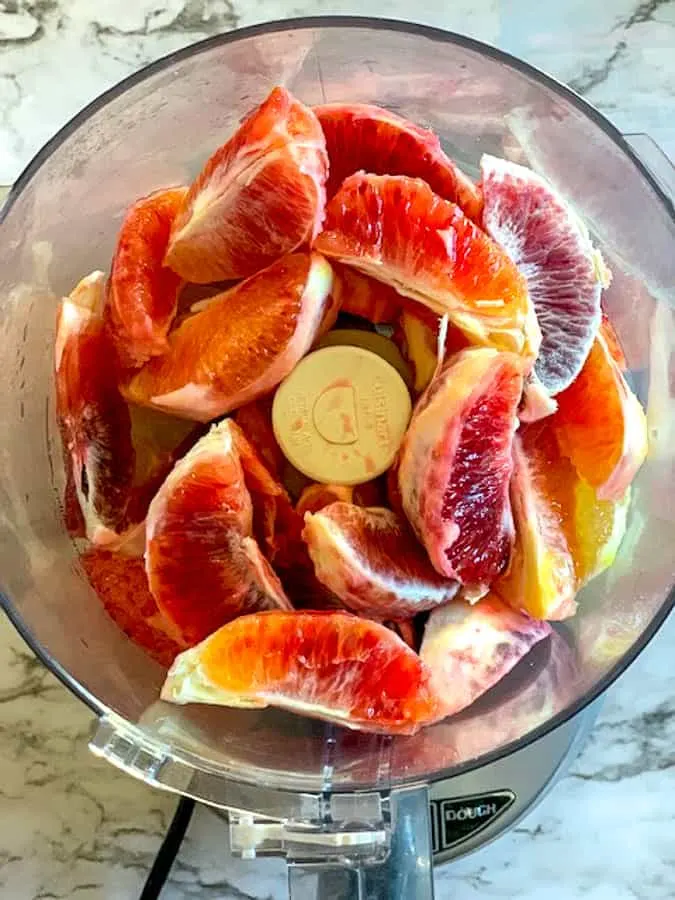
<point>72,827</point>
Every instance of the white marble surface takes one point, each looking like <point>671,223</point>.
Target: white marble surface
<point>70,826</point>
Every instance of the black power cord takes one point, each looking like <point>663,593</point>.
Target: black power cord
<point>169,850</point>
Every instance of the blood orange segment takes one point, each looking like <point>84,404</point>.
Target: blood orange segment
<point>93,417</point>
<point>551,247</point>
<point>241,345</point>
<point>328,665</point>
<point>405,629</point>
<point>276,524</point>
<point>159,441</point>
<point>455,465</point>
<point>261,195</point>
<point>536,403</point>
<point>255,420</point>
<point>541,577</point>
<point>370,559</point>
<point>398,231</point>
<point>297,572</point>
<point>367,138</point>
<point>418,336</point>
<point>122,587</point>
<point>317,496</point>
<point>143,293</point>
<point>468,649</point>
<point>203,567</point>
<point>596,531</point>
<point>601,425</point>
<point>367,298</point>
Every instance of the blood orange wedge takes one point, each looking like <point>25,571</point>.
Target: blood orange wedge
<point>370,559</point>
<point>367,298</point>
<point>536,402</point>
<point>122,587</point>
<point>417,334</point>
<point>398,231</point>
<point>596,530</point>
<point>329,665</point>
<point>317,496</point>
<point>601,425</point>
<point>93,417</point>
<point>255,420</point>
<point>203,567</point>
<point>551,247</point>
<point>143,293</point>
<point>540,579</point>
<point>276,524</point>
<point>455,465</point>
<point>372,139</point>
<point>261,195</point>
<point>469,648</point>
<point>241,345</point>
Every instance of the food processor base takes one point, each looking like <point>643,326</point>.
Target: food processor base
<point>466,812</point>
<point>472,809</point>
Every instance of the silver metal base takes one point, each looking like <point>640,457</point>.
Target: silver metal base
<point>470,810</point>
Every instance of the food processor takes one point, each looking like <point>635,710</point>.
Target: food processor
<point>354,814</point>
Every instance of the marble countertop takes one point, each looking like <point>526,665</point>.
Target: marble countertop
<point>71,826</point>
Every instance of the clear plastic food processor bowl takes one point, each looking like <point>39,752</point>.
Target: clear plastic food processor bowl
<point>316,792</point>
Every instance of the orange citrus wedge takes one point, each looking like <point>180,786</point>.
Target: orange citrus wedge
<point>367,138</point>
<point>601,425</point>
<point>540,579</point>
<point>204,568</point>
<point>455,465</point>
<point>469,648</point>
<point>93,418</point>
<point>328,665</point>
<point>242,344</point>
<point>370,559</point>
<point>261,195</point>
<point>143,293</point>
<point>398,231</point>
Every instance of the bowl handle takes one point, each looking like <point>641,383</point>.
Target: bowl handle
<point>407,870</point>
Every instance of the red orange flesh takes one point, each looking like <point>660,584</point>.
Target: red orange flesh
<point>122,587</point>
<point>601,425</point>
<point>540,579</point>
<point>455,465</point>
<point>367,298</point>
<point>242,344</point>
<point>330,665</point>
<point>369,558</point>
<point>398,231</point>
<point>93,418</point>
<point>203,566</point>
<point>469,648</point>
<point>360,137</point>
<point>142,292</point>
<point>260,196</point>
